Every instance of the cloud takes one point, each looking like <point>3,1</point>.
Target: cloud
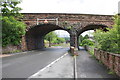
<point>70,6</point>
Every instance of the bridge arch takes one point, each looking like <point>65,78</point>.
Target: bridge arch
<point>90,27</point>
<point>34,37</point>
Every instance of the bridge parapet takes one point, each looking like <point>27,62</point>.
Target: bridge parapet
<point>31,19</point>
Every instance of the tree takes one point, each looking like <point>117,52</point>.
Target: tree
<point>60,40</point>
<point>82,39</point>
<point>9,8</point>
<point>53,38</point>
<point>86,37</point>
<point>12,28</point>
<point>50,37</point>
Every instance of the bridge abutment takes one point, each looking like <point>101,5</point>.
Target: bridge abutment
<point>23,44</point>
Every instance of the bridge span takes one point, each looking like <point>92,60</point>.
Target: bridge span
<point>39,24</point>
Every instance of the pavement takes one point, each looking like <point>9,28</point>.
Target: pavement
<point>28,63</point>
<point>89,67</point>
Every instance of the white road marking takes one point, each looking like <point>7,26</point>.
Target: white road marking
<point>33,76</point>
<point>75,68</point>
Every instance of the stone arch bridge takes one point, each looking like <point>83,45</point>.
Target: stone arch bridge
<point>39,24</point>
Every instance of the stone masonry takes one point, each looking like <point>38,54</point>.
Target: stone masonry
<point>74,24</point>
<point>111,60</point>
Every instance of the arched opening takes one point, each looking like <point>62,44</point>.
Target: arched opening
<point>57,39</point>
<point>85,32</point>
<point>34,37</point>
<point>86,35</point>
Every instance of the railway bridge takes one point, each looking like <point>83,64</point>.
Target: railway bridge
<point>39,24</point>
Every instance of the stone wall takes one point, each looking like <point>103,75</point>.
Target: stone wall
<point>111,60</point>
<point>10,49</point>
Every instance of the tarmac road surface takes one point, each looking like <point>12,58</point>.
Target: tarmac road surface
<point>26,64</point>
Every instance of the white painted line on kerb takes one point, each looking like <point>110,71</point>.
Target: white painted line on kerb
<point>75,68</point>
<point>33,76</point>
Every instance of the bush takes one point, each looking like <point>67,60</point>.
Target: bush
<point>110,40</point>
<point>87,42</point>
<point>12,31</point>
<point>81,38</point>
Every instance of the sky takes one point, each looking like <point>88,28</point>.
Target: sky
<point>62,33</point>
<point>106,7</point>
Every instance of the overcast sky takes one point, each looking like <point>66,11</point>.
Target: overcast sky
<point>107,7</point>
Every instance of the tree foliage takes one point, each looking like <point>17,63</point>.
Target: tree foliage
<point>53,38</point>
<point>81,38</point>
<point>12,31</point>
<point>85,41</point>
<point>85,37</point>
<point>50,36</point>
<point>60,40</point>
<point>9,8</point>
<point>12,27</point>
<point>110,40</point>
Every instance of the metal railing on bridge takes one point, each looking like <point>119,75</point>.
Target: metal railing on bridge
<point>47,21</point>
